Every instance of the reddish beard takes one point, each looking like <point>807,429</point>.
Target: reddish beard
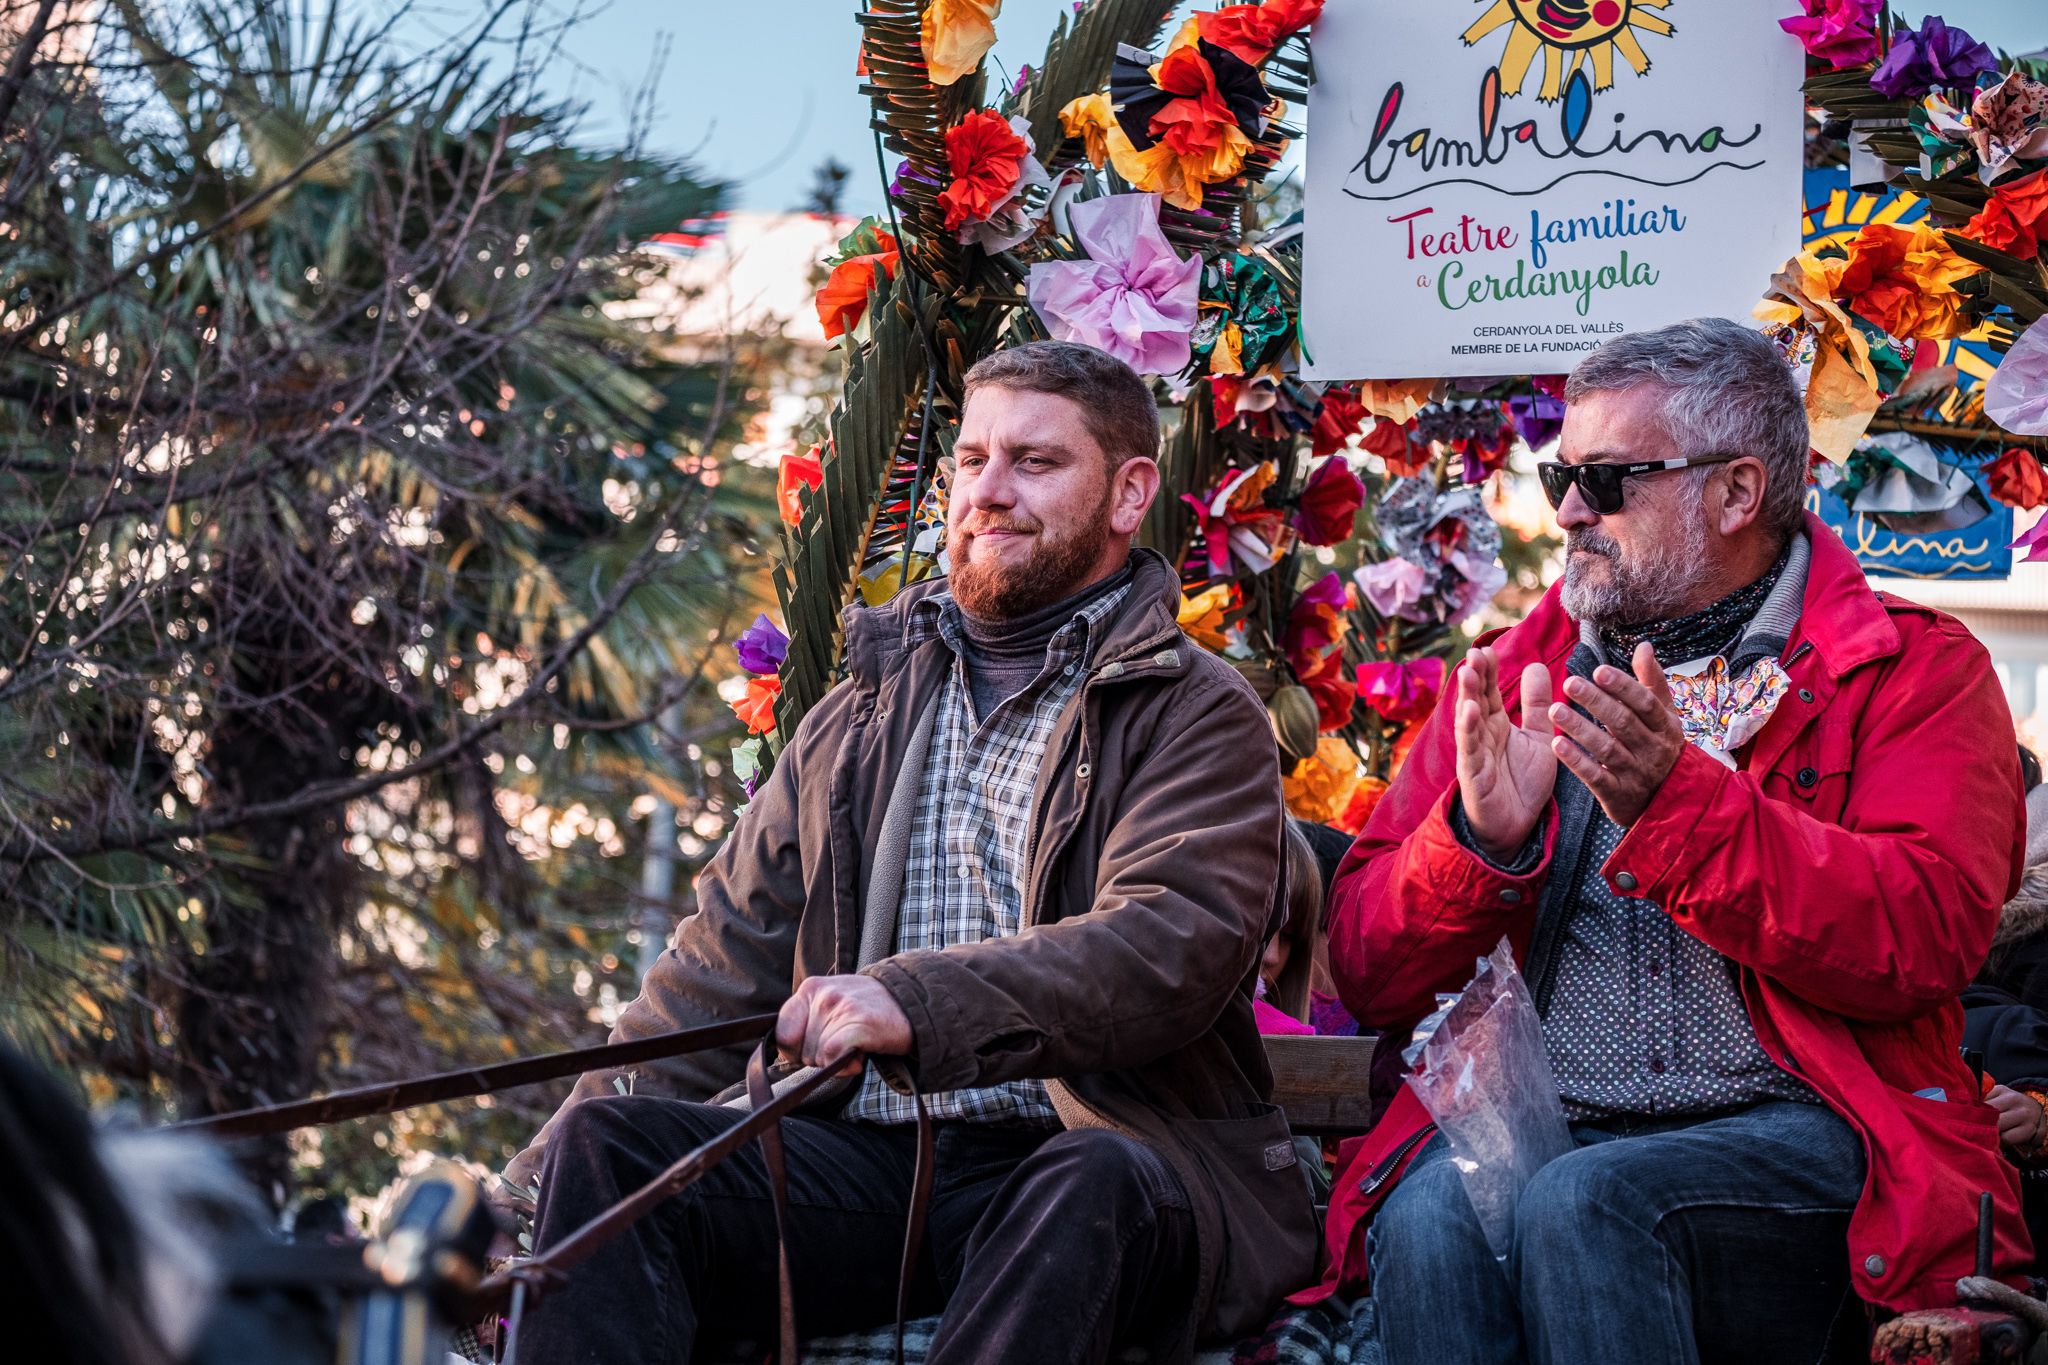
<point>1057,567</point>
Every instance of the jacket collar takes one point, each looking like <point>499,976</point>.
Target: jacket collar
<point>876,637</point>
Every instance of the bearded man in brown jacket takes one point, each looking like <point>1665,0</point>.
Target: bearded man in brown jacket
<point>1032,845</point>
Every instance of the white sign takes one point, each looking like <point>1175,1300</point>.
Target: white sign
<point>1496,186</point>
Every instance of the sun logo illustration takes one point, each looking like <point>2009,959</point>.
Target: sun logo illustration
<point>1569,33</point>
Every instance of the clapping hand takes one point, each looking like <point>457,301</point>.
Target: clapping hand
<point>1505,771</point>
<point>1626,756</point>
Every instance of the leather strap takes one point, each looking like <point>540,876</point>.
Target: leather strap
<point>368,1100</point>
<point>896,1073</point>
<point>759,1096</point>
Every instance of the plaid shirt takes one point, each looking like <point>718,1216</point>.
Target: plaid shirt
<point>963,881</point>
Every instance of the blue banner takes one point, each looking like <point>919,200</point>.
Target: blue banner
<point>1979,550</point>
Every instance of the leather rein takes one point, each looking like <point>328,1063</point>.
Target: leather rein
<point>530,1280</point>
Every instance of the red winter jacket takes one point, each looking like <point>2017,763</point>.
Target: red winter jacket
<point>1853,867</point>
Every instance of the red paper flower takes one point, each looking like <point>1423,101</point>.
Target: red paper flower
<point>1251,32</point>
<point>986,158</point>
<point>2011,222</point>
<point>2017,479</point>
<point>1903,279</point>
<point>1329,504</point>
<point>757,707</point>
<point>845,296</point>
<point>1365,799</point>
<point>1338,421</point>
<point>1396,443</point>
<point>797,471</point>
<point>1402,691</point>
<point>1197,123</point>
<point>1335,693</point>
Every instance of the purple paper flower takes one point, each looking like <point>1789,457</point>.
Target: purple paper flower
<point>1024,74</point>
<point>1134,297</point>
<point>905,171</point>
<point>1537,417</point>
<point>1936,55</point>
<point>762,647</point>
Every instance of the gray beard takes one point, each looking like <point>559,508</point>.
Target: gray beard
<point>1654,586</point>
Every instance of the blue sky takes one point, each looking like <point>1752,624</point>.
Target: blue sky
<point>761,91</point>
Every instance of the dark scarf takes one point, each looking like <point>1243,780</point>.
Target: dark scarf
<point>1710,630</point>
<point>1004,656</point>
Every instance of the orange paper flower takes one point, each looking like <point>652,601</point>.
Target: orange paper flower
<point>986,158</point>
<point>797,471</point>
<point>1251,32</point>
<point>2017,479</point>
<point>1365,799</point>
<point>1321,786</point>
<point>757,708</point>
<point>2011,222</point>
<point>1201,616</point>
<point>844,299</point>
<point>956,34</point>
<point>1903,279</point>
<point>1197,125</point>
<point>1092,120</point>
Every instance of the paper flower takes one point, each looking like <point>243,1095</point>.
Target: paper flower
<point>1090,119</point>
<point>2017,479</point>
<point>1329,503</point>
<point>1838,32</point>
<point>1365,799</point>
<point>1401,690</point>
<point>2012,220</point>
<point>844,298</point>
<point>1321,785</point>
<point>1538,417</point>
<point>1251,32</point>
<point>2034,541</point>
<point>956,34</point>
<point>1243,323</point>
<point>1334,691</point>
<point>1134,297</point>
<point>1189,120</point>
<point>756,707</point>
<point>1903,279</point>
<point>2016,395</point>
<point>1399,445</point>
<point>1201,616</point>
<point>1337,421</point>
<point>986,157</point>
<point>762,646</point>
<point>1234,519</point>
<point>1314,623</point>
<point>2009,121</point>
<point>1397,400</point>
<point>1395,587</point>
<point>797,471</point>
<point>1934,55</point>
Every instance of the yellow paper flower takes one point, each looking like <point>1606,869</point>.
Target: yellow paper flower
<point>1321,787</point>
<point>1092,120</point>
<point>1201,616</point>
<point>1397,400</point>
<point>956,34</point>
<point>1842,389</point>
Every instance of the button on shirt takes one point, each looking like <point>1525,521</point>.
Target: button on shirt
<point>971,835</point>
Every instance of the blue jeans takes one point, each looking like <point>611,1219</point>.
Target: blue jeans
<point>1658,1240</point>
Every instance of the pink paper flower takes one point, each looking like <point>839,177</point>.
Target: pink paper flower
<point>1838,32</point>
<point>1394,587</point>
<point>1134,297</point>
<point>1401,691</point>
<point>2016,395</point>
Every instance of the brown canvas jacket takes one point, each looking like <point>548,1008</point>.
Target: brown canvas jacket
<point>1153,875</point>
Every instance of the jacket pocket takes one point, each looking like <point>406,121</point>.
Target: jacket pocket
<point>1269,1228</point>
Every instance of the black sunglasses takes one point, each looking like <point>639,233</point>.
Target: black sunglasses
<point>1601,484</point>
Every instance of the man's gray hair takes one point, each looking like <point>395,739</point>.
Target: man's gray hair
<point>1727,391</point>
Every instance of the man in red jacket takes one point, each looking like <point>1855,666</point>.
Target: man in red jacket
<point>1747,825</point>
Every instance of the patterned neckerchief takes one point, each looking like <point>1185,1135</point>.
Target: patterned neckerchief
<point>1710,630</point>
